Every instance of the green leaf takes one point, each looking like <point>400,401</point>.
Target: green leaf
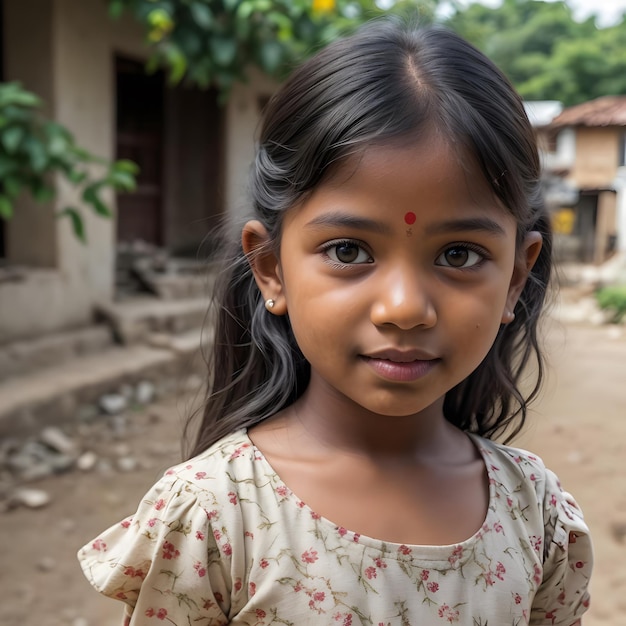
<point>12,186</point>
<point>116,8</point>
<point>125,165</point>
<point>201,15</point>
<point>90,196</point>
<point>12,137</point>
<point>78,225</point>
<point>6,207</point>
<point>41,191</point>
<point>223,50</point>
<point>271,56</point>
<point>122,181</point>
<point>76,176</point>
<point>36,153</point>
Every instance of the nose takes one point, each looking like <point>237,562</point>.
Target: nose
<point>403,300</point>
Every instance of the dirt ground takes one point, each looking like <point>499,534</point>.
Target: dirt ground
<point>578,427</point>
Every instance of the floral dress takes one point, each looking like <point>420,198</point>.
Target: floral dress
<point>221,540</point>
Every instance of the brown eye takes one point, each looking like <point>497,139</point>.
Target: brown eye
<point>459,257</point>
<point>348,253</point>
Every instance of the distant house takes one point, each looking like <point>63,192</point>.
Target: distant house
<point>586,150</point>
<point>194,155</point>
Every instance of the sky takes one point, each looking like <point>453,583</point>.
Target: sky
<point>608,11</point>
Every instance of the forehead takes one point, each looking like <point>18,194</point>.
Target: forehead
<point>430,174</point>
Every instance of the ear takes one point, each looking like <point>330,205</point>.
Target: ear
<point>526,258</point>
<point>264,264</point>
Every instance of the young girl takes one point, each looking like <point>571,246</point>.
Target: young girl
<point>373,332</point>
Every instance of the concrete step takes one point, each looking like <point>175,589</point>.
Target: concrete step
<point>23,357</point>
<point>134,319</point>
<point>57,394</point>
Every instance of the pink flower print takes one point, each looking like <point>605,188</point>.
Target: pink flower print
<point>448,613</point>
<point>509,501</point>
<point>260,614</point>
<point>264,563</point>
<point>199,569</point>
<point>248,534</point>
<point>159,504</point>
<point>500,571</point>
<point>553,500</point>
<point>170,551</point>
<point>551,615</point>
<point>425,574</point>
<point>169,472</point>
<point>200,475</point>
<point>370,572</point>
<point>532,458</point>
<point>433,587</point>
<point>238,585</point>
<point>282,491</point>
<point>457,554</point>
<point>380,564</point>
<point>200,535</point>
<point>219,597</point>
<point>301,504</point>
<point>317,598</point>
<point>347,620</point>
<point>561,598</point>
<point>572,537</point>
<point>517,598</point>
<point>228,549</point>
<point>535,542</point>
<point>342,531</point>
<point>232,497</point>
<point>217,534</point>
<point>494,468</point>
<point>211,515</point>
<point>404,550</point>
<point>151,522</point>
<point>498,527</point>
<point>125,523</point>
<point>251,589</point>
<point>237,452</point>
<point>315,515</point>
<point>537,575</point>
<point>160,613</point>
<point>532,477</point>
<point>99,545</point>
<point>579,564</point>
<point>356,537</point>
<point>309,556</point>
<point>120,595</point>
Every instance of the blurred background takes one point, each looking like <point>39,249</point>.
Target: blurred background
<point>127,128</point>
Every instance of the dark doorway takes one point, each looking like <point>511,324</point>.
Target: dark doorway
<point>139,137</point>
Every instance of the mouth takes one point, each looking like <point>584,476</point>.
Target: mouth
<point>401,366</point>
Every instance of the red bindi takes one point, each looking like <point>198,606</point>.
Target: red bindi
<point>410,218</point>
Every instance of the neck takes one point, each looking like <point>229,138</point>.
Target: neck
<point>323,421</point>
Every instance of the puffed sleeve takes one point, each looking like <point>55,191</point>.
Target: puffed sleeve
<point>563,595</point>
<point>165,562</point>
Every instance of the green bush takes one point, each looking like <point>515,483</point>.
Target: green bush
<point>34,149</point>
<point>613,300</point>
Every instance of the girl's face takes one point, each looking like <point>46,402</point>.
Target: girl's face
<point>396,274</point>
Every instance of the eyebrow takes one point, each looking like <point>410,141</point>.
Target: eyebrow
<point>345,220</point>
<point>478,224</point>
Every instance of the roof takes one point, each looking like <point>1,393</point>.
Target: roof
<point>605,111</point>
<point>542,112</point>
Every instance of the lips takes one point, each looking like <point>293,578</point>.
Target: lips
<point>401,365</point>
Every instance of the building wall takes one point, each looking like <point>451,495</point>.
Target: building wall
<point>596,159</point>
<point>64,50</point>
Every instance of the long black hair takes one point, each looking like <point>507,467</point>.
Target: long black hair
<point>385,84</point>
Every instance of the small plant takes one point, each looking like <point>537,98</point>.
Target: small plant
<point>33,150</point>
<point>613,300</point>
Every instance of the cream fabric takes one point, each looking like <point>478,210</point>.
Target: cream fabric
<point>221,540</point>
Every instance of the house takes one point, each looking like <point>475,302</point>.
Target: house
<point>193,153</point>
<point>586,152</point>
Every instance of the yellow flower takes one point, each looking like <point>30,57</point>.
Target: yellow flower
<point>324,6</point>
